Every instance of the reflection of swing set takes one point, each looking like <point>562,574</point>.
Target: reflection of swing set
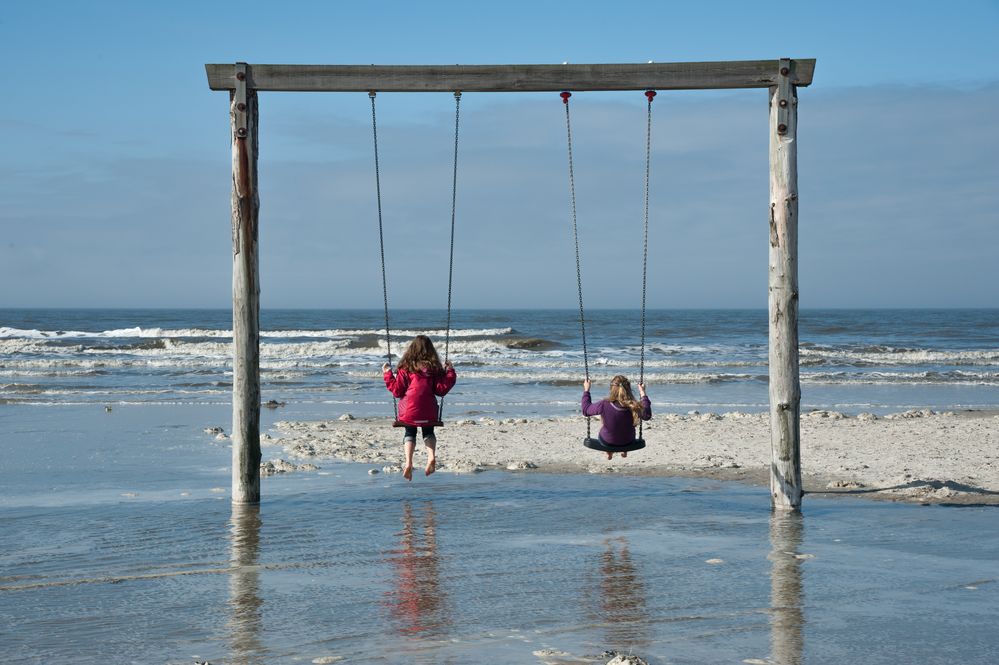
<point>781,77</point>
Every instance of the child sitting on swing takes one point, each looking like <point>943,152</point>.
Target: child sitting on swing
<point>619,413</point>
<point>418,382</point>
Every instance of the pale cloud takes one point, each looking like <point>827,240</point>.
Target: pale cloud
<point>897,195</point>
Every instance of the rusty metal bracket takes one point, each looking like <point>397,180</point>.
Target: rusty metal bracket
<point>240,100</point>
<point>784,93</point>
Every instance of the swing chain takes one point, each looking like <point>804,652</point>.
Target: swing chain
<point>450,268</point>
<point>454,199</point>
<point>650,95</point>
<point>565,95</point>
<point>381,244</point>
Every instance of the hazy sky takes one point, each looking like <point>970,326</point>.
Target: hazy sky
<point>115,163</point>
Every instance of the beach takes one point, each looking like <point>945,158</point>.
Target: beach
<point>918,455</point>
<point>524,546</point>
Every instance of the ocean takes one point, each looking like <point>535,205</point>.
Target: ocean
<point>118,543</point>
<point>510,362</point>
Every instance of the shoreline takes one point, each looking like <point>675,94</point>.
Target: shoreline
<point>918,456</point>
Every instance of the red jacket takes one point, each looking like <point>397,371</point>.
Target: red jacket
<point>418,390</point>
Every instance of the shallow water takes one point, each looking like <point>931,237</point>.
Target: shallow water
<point>128,555</point>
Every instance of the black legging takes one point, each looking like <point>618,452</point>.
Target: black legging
<point>428,432</point>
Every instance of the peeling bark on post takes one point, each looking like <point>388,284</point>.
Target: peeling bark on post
<point>245,305</point>
<point>785,389</point>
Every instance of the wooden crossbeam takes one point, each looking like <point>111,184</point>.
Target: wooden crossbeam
<point>511,78</point>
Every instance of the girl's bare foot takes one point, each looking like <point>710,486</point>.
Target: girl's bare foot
<point>610,455</point>
<point>431,445</point>
<point>409,445</point>
<point>624,453</point>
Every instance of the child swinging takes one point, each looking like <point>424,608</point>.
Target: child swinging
<point>420,379</point>
<point>619,413</point>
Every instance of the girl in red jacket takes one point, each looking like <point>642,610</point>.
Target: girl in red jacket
<point>419,381</point>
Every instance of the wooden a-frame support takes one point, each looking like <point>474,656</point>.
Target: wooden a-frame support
<point>781,77</point>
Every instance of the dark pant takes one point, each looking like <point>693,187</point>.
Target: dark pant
<point>411,432</point>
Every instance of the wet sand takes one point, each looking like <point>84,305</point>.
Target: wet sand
<point>918,456</point>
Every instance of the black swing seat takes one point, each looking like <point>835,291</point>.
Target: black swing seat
<point>599,444</point>
<point>428,423</point>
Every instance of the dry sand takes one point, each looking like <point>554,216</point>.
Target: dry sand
<point>917,456</point>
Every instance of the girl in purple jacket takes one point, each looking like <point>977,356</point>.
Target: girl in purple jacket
<point>420,380</point>
<point>619,413</point>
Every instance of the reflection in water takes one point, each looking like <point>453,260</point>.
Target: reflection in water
<point>620,597</point>
<point>245,624</point>
<point>787,615</point>
<point>417,602</point>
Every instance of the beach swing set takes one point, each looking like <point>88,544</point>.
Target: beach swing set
<point>782,77</point>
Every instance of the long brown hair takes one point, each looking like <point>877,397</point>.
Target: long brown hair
<point>421,354</point>
<point>620,394</point>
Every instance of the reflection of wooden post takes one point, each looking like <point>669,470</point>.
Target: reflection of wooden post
<point>245,624</point>
<point>785,389</point>
<point>787,616</point>
<point>245,295</point>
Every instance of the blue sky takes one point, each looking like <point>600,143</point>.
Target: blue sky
<point>114,168</point>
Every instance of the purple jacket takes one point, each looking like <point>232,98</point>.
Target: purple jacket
<point>618,426</point>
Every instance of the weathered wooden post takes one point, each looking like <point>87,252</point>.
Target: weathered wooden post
<point>245,293</point>
<point>785,388</point>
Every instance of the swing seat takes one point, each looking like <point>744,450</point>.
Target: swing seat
<point>599,444</point>
<point>428,423</point>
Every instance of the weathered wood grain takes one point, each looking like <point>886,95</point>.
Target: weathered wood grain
<point>510,78</point>
<point>245,301</point>
<point>785,389</point>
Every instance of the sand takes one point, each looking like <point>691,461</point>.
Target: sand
<point>919,456</point>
